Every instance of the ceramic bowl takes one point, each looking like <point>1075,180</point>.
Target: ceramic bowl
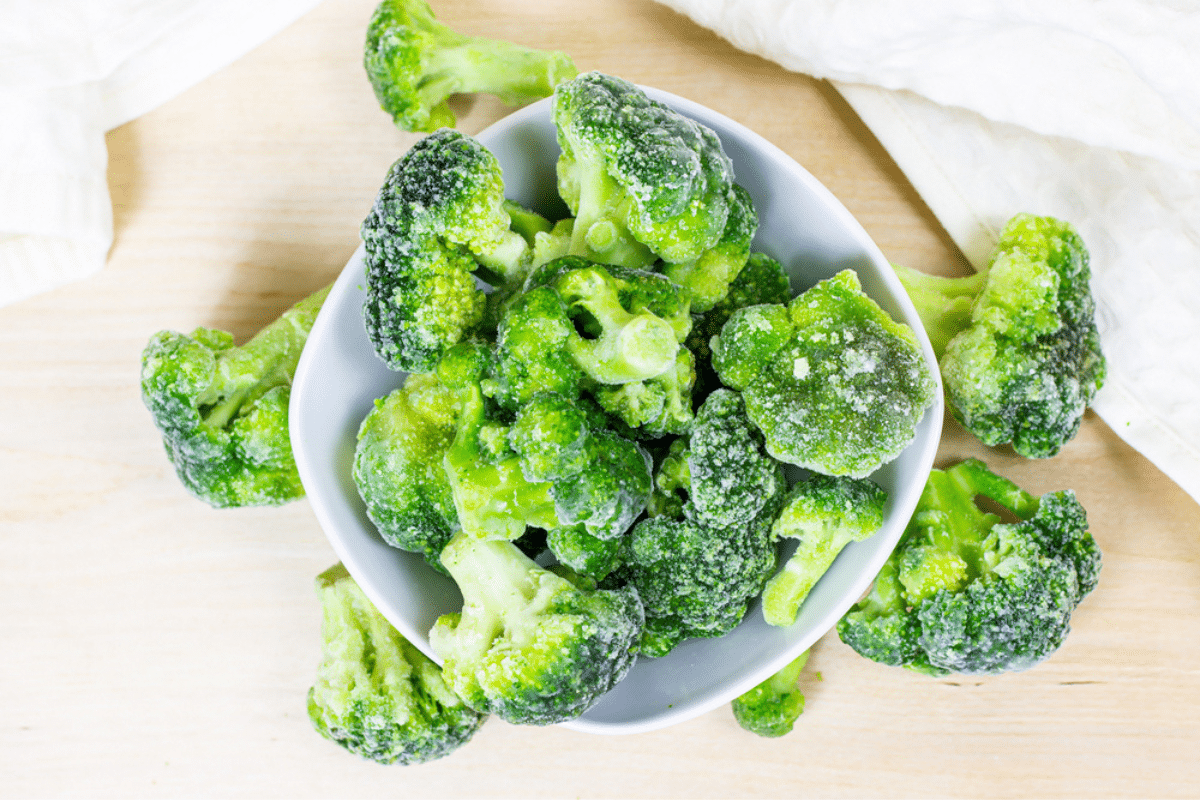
<point>802,225</point>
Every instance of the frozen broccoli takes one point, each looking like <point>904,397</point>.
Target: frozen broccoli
<point>772,707</point>
<point>1018,345</point>
<point>834,384</point>
<point>653,407</point>
<point>529,645</point>
<point>398,466</point>
<point>708,278</point>
<point>223,410</point>
<point>708,551</point>
<point>825,513</point>
<point>642,181</point>
<point>585,554</point>
<point>439,221</point>
<point>375,694</point>
<point>414,63</point>
<point>965,592</point>
<point>763,280</point>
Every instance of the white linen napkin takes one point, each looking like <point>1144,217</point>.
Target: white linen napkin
<point>71,70</point>
<point>1088,111</point>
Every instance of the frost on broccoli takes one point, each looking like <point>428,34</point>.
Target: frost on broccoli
<point>965,592</point>
<point>223,409</point>
<point>642,181</point>
<point>415,63</point>
<point>376,694</point>
<point>438,222</point>
<point>1018,345</point>
<point>708,550</point>
<point>398,466</point>
<point>824,514</point>
<point>834,383</point>
<point>529,645</point>
<point>772,707</point>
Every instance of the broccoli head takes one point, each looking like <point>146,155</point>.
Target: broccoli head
<point>642,181</point>
<point>376,694</point>
<point>772,707</point>
<point>583,553</point>
<point>529,645</point>
<point>223,410</point>
<point>1018,345</point>
<point>398,466</point>
<point>965,592</point>
<point>414,63</point>
<point>439,221</point>
<point>708,278</point>
<point>824,513</point>
<point>708,550</point>
<point>834,383</point>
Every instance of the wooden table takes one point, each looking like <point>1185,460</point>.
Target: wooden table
<point>152,646</point>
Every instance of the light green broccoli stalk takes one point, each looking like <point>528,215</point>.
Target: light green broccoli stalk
<point>414,64</point>
<point>964,592</point>
<point>438,222</point>
<point>824,513</point>
<point>223,410</point>
<point>1018,345</point>
<point>642,181</point>
<point>707,279</point>
<point>398,466</point>
<point>772,707</point>
<point>529,645</point>
<point>834,384</point>
<point>375,694</point>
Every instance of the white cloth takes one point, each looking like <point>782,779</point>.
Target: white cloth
<point>1084,110</point>
<point>71,70</point>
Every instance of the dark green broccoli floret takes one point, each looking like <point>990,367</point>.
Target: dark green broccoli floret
<point>834,383</point>
<point>611,489</point>
<point>528,645</point>
<point>762,280</point>
<point>966,592</point>
<point>708,550</point>
<point>398,466</point>
<point>438,222</point>
<point>223,410</point>
<point>415,63</point>
<point>1018,344</point>
<point>708,278</point>
<point>376,695</point>
<point>585,554</point>
<point>825,513</point>
<point>643,181</point>
<point>772,707</point>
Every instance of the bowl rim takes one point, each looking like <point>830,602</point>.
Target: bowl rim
<point>306,375</point>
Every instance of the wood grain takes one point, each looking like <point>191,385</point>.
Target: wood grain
<point>155,647</point>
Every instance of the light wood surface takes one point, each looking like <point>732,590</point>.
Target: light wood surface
<point>153,647</point>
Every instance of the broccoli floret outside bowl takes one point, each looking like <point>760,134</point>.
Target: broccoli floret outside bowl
<point>803,228</point>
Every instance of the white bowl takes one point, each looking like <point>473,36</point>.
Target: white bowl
<point>804,226</point>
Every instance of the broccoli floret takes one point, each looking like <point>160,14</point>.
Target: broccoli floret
<point>965,592</point>
<point>825,513</point>
<point>438,222</point>
<point>398,466</point>
<point>772,707</point>
<point>415,63</point>
<point>762,280</point>
<point>585,554</point>
<point>642,181</point>
<point>375,694</point>
<point>657,406</point>
<point>528,645</point>
<point>708,550</point>
<point>1018,345</point>
<point>834,383</point>
<point>223,410</point>
<point>708,278</point>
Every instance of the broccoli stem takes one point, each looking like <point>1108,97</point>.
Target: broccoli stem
<point>595,234</point>
<point>943,304</point>
<point>973,477</point>
<point>786,679</point>
<point>514,73</point>
<point>268,360</point>
<point>814,555</point>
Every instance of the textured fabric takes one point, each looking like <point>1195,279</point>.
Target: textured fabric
<point>1082,110</point>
